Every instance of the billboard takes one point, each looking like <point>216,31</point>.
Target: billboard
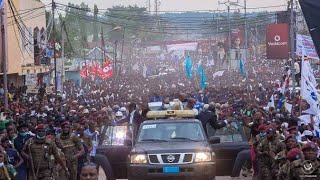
<point>278,41</point>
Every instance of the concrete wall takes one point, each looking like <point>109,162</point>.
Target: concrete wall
<point>21,52</point>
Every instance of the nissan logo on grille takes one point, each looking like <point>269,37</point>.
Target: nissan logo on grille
<point>170,158</point>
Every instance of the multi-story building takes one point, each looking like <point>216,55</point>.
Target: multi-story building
<point>26,41</point>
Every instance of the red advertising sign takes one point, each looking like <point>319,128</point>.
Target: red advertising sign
<point>278,41</point>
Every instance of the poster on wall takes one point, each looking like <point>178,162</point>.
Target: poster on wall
<point>31,79</point>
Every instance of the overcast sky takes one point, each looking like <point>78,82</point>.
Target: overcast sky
<point>176,5</point>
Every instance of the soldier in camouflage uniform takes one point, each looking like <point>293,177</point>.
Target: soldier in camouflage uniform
<point>292,155</point>
<point>281,158</point>
<point>71,146</point>
<point>307,168</point>
<point>39,152</point>
<point>266,151</point>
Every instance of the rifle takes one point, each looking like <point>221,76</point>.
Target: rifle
<point>31,161</point>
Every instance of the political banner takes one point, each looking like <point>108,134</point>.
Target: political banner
<point>305,43</point>
<point>310,9</point>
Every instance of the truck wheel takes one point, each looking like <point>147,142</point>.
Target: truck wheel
<point>104,163</point>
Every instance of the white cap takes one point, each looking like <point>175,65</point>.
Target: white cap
<point>85,111</point>
<point>119,114</point>
<point>123,109</point>
<point>307,133</point>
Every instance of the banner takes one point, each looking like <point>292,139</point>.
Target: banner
<point>185,47</point>
<point>278,41</point>
<point>310,9</point>
<point>305,43</point>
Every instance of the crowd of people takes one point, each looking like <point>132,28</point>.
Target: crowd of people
<point>42,134</point>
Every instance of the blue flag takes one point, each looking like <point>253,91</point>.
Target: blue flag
<point>1,3</point>
<point>241,68</point>
<point>189,67</point>
<point>200,70</point>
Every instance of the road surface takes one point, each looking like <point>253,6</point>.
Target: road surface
<point>103,177</point>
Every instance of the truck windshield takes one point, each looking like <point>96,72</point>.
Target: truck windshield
<point>166,132</point>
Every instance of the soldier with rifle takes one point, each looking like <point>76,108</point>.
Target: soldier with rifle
<point>39,151</point>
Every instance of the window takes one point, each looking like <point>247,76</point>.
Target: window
<point>116,135</point>
<point>171,132</point>
<point>230,133</point>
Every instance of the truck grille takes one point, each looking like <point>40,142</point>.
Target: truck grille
<point>187,158</point>
<point>181,158</point>
<point>153,159</point>
<point>170,158</point>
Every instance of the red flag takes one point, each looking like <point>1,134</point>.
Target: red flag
<point>96,69</point>
<point>84,73</point>
<point>107,70</point>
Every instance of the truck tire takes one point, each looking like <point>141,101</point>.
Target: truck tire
<point>104,163</point>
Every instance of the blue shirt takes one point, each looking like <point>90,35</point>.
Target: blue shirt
<point>13,156</point>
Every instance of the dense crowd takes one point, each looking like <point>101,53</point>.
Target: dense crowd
<point>42,134</point>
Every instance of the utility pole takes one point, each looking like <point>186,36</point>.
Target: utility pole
<point>292,40</point>
<point>246,35</point>
<point>62,54</point>
<point>54,49</point>
<point>121,57</point>
<point>103,47</point>
<point>115,56</point>
<point>4,59</point>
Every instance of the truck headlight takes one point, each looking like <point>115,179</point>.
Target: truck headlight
<point>203,157</point>
<point>138,159</point>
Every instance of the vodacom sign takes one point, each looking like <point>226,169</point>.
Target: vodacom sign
<point>278,41</point>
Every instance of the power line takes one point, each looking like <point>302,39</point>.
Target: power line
<point>208,25</point>
<point>136,29</point>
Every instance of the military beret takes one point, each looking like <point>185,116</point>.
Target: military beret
<point>65,123</point>
<point>40,126</point>
<point>262,127</point>
<point>289,137</point>
<point>292,128</point>
<point>310,145</point>
<point>294,154</point>
<point>269,128</point>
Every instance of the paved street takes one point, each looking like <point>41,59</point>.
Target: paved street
<point>102,177</point>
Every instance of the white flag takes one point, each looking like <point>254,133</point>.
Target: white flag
<point>218,74</point>
<point>271,102</point>
<point>307,71</point>
<point>144,73</point>
<point>310,94</point>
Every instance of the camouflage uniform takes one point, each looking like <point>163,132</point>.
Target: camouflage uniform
<point>70,144</point>
<point>41,161</point>
<point>304,169</point>
<point>284,171</point>
<point>264,160</point>
<point>279,161</point>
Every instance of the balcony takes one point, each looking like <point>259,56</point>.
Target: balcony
<point>35,69</point>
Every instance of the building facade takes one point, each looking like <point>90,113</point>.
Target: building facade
<point>26,41</point>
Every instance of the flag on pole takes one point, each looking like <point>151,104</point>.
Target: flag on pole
<point>200,70</point>
<point>241,68</point>
<point>310,94</point>
<point>271,102</point>
<point>189,67</point>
